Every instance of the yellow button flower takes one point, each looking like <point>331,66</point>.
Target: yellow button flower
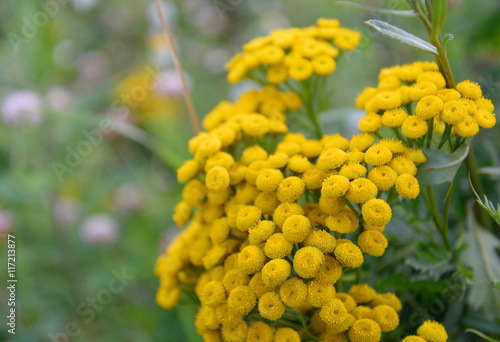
<point>365,330</point>
<point>213,256</point>
<point>448,95</point>
<point>469,89</point>
<point>277,246</point>
<point>415,155</point>
<point>378,155</point>
<point>277,73</point>
<point>258,286</point>
<point>299,164</point>
<point>323,64</point>
<point>168,299</point>
<point>467,128</point>
<point>362,293</point>
<point>386,317</point>
<point>376,212</point>
<point>271,54</point>
<point>355,157</point>
<point>414,127</point>
<point>247,217</point>
<point>300,69</point>
<point>187,171</point>
<point>269,180</point>
<point>484,118</point>
<point>407,186</point>
<point>402,165</point>
<point>429,107</point>
<point>271,307</point>
<point>361,190</point>
<point>234,278</point>
<point>290,189</point>
<point>217,179</point>
<point>394,117</point>
<point>422,89</point>
<point>293,292</point>
<point>362,312</point>
<point>275,272</point>
<point>365,96</point>
<point>330,271</point>
<point>296,228</point>
<point>330,159</point>
<point>319,293</point>
<point>387,298</point>
<point>331,206</point>
<point>383,177</point>
<point>353,171</point>
<point>349,255</point>
<point>251,154</point>
<point>332,313</point>
<point>213,294</point>
<point>413,338</point>
<point>434,77</point>
<point>254,169</point>
<point>260,332</point>
<point>313,178</point>
<point>234,330</point>
<point>322,240</point>
<point>241,300</point>
<point>261,231</point>
<point>307,261</point>
<point>335,186</point>
<point>372,242</point>
<point>251,259</point>
<point>370,123</point>
<point>340,223</point>
<point>432,332</point>
<point>286,335</point>
<point>284,211</point>
<point>453,112</point>
<point>335,141</point>
<point>361,141</point>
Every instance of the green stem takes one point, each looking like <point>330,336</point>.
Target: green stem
<point>475,178</point>
<point>443,231</point>
<point>349,204</point>
<point>359,274</point>
<point>429,132</point>
<point>447,205</point>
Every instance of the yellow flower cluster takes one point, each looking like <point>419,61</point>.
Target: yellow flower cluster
<point>295,52</point>
<point>429,331</point>
<point>413,100</point>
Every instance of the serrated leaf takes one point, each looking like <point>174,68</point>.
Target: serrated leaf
<point>400,13</point>
<point>483,258</point>
<point>401,35</point>
<point>431,258</point>
<point>441,166</point>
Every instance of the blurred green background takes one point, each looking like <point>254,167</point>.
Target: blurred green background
<point>93,125</point>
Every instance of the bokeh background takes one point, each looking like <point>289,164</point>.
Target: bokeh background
<point>93,125</point>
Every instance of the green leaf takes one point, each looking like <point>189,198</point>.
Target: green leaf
<point>439,9</point>
<point>404,37</point>
<point>441,166</point>
<point>430,258</point>
<point>400,13</point>
<point>447,38</point>
<point>480,334</point>
<point>482,256</point>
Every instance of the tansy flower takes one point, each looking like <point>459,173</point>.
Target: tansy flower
<point>213,294</point>
<point>293,292</point>
<point>348,300</point>
<point>277,246</point>
<point>241,300</point>
<point>299,164</point>
<point>286,335</point>
<point>322,240</point>
<point>470,105</point>
<point>323,64</point>
<point>347,39</point>
<point>234,330</point>
<point>413,338</point>
<point>271,307</point>
<point>469,89</point>
<point>234,278</point>
<point>394,117</point>
<point>432,332</point>
<point>376,212</point>
<point>448,95</point>
<point>402,165</point>
<point>307,261</point>
<point>296,228</point>
<point>251,154</point>
<point>168,299</point>
<point>300,69</point>
<point>340,223</point>
<point>220,158</point>
<point>386,317</point>
<point>383,177</point>
<point>386,100</point>
<point>258,286</point>
<point>330,271</point>
<point>349,255</point>
<point>415,155</point>
<point>187,171</point>
<point>269,180</point>
<point>213,256</point>
<point>208,146</point>
<point>312,148</point>
<point>355,157</point>
<point>467,128</point>
<point>434,77</point>
<point>453,112</point>
<point>361,141</point>
<point>247,217</point>
<point>206,319</point>
<point>362,293</point>
<point>378,155</point>
<point>237,173</point>
<point>275,272</point>
<point>182,213</point>
<point>290,189</point>
<point>365,330</point>
<point>254,169</point>
<point>429,107</point>
<point>333,312</point>
<point>414,127</point>
<point>267,202</point>
<point>484,104</point>
<point>342,326</point>
<point>313,179</point>
<point>372,242</point>
<point>335,141</point>
<point>422,89</point>
<point>277,73</point>
<point>370,123</point>
<point>484,118</point>
<point>255,125</point>
<point>331,206</point>
<point>319,293</point>
<point>387,298</point>
<point>335,186</point>
<point>389,83</point>
<point>330,159</point>
<point>352,171</point>
<point>261,231</point>
<point>246,193</point>
<point>365,96</point>
<point>361,190</point>
<point>284,211</point>
<point>260,332</point>
<point>408,73</point>
<point>407,186</point>
<point>277,160</point>
<point>251,259</point>
<point>362,312</point>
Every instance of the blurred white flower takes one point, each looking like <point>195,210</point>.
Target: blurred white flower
<point>99,230</point>
<point>22,107</point>
<point>129,197</point>
<point>84,5</point>
<point>66,210</point>
<point>6,223</point>
<point>59,99</point>
<point>168,83</point>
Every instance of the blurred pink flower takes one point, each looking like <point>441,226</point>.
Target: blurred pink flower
<point>168,83</point>
<point>6,223</point>
<point>22,107</point>
<point>66,210</point>
<point>92,67</point>
<point>59,99</point>
<point>129,198</point>
<point>99,230</point>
